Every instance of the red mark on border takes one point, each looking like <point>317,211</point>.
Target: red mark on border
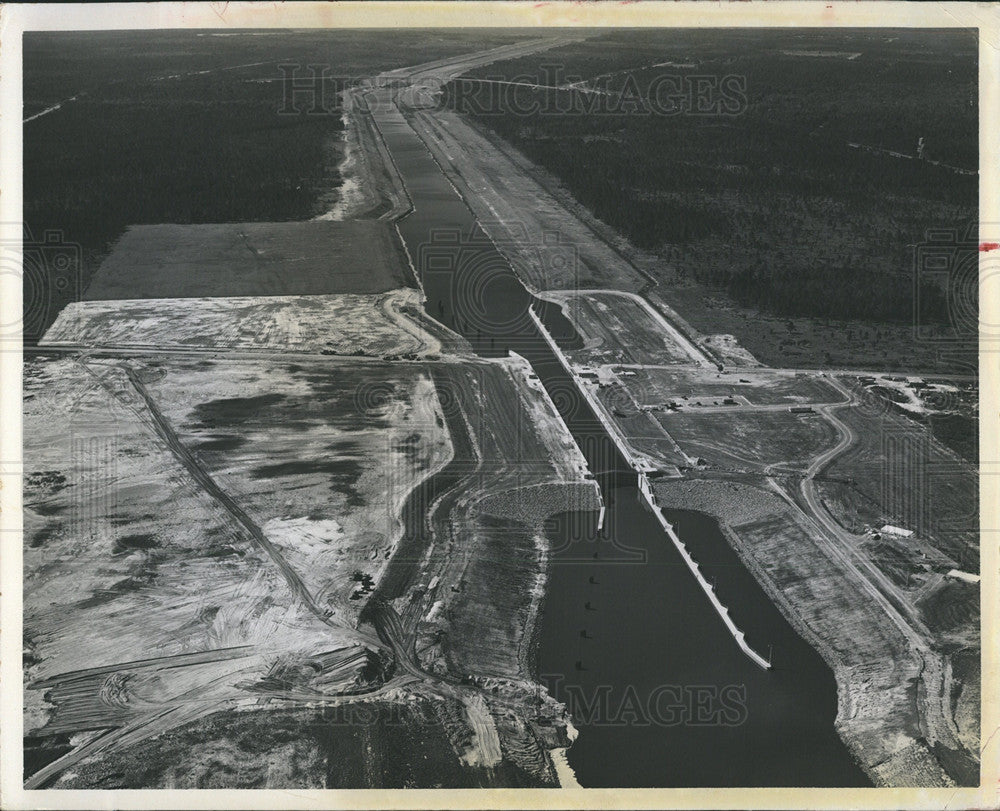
<point>986,247</point>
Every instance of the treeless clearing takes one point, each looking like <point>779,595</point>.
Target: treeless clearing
<point>755,386</point>
<point>759,439</point>
<point>602,318</point>
<point>342,324</point>
<point>252,259</point>
<point>128,557</point>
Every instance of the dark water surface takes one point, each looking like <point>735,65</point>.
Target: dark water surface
<point>659,690</point>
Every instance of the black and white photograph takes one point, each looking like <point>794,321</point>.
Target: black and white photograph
<point>499,396</point>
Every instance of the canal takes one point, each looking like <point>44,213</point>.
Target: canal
<point>659,691</point>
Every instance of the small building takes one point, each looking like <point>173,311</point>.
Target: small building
<point>801,409</point>
<point>899,532</point>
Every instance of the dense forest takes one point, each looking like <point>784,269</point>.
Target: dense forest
<point>789,201</point>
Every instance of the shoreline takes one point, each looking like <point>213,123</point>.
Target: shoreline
<point>850,722</point>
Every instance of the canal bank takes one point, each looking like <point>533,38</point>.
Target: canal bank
<point>660,693</point>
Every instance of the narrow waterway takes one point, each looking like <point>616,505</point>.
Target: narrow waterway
<point>659,690</point>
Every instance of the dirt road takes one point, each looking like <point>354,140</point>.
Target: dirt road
<point>209,485</point>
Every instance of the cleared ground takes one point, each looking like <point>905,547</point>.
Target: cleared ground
<point>602,318</point>
<point>754,387</point>
<point>252,259</point>
<point>514,465</point>
<point>640,429</point>
<point>382,324</point>
<point>750,439</point>
<point>132,556</point>
<point>898,473</point>
<point>379,745</point>
<point>322,456</point>
<point>950,408</point>
<point>249,512</point>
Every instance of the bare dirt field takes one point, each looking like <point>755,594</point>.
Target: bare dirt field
<point>758,439</point>
<point>321,455</point>
<point>137,547</point>
<point>754,387</point>
<point>900,474</point>
<point>391,323</point>
<point>640,429</point>
<point>237,517</point>
<point>602,318</point>
<point>548,247</point>
<point>310,447</point>
<point>252,259</point>
<point>381,744</point>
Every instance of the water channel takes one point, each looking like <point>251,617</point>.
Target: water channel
<point>660,692</point>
